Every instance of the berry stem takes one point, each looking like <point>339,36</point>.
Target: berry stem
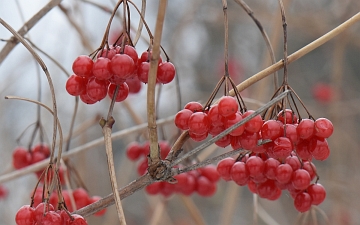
<point>283,18</point>
<point>226,39</point>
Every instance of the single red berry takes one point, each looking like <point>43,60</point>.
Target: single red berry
<point>254,125</point>
<point>96,89</point>
<point>283,173</point>
<point>252,186</point>
<point>282,147</point>
<point>224,168</point>
<point>122,66</point>
<point>40,209</point>
<point>305,129</point>
<point>249,140</point>
<point>270,168</point>
<point>290,132</point>
<point>232,120</point>
<point>154,188</point>
<point>81,197</point>
<point>182,118</point>
<point>205,187</point>
<point>293,161</point>
<point>86,99</point>
<point>131,51</point>
<point>255,165</point>
<point>122,93</point>
<point>290,116</point>
<point>146,56</point>
<point>167,189</point>
<point>50,218</point>
<point>107,53</point>
<point>102,69</point>
<point>37,157</point>
<point>142,167</point>
<point>210,173</point>
<point>323,128</point>
<point>197,137</point>
<point>134,85</point>
<point>133,151</point>
<point>317,193</point>
<point>227,106</point>
<point>194,107</point>
<point>214,116</point>
<point>143,72</point>
<point>165,73</point>
<point>239,173</point>
<point>21,158</point>
<point>311,168</point>
<point>267,189</point>
<point>76,85</point>
<point>82,66</point>
<point>78,220</point>
<point>199,123</point>
<point>319,149</point>
<point>224,141</point>
<point>271,130</point>
<point>301,179</point>
<point>303,149</point>
<point>25,216</point>
<point>302,202</point>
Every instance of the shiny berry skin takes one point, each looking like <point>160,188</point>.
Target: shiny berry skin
<point>199,123</point>
<point>122,66</point>
<point>21,158</point>
<point>282,147</point>
<point>302,202</point>
<point>96,89</point>
<point>290,132</point>
<point>182,118</point>
<point>254,125</point>
<point>116,80</point>
<point>267,189</point>
<point>227,106</point>
<point>143,72</point>
<point>271,130</point>
<point>76,85</point>
<point>134,85</point>
<point>311,168</point>
<point>294,162</point>
<point>301,179</point>
<point>270,168</point>
<point>82,66</point>
<point>303,149</point>
<point>25,216</point>
<point>291,117</point>
<point>239,173</point>
<point>283,173</point>
<point>102,69</point>
<point>224,141</point>
<point>317,193</point>
<point>319,149</point>
<point>78,220</point>
<point>194,107</point>
<point>131,51</point>
<point>122,93</point>
<point>86,99</point>
<point>323,128</point>
<point>146,56</point>
<point>40,209</point>
<point>214,116</point>
<point>255,165</point>
<point>232,120</point>
<point>224,168</point>
<point>305,129</point>
<point>197,137</point>
<point>165,73</point>
<point>249,140</point>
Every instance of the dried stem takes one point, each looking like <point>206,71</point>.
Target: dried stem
<point>283,19</point>
<point>51,86</point>
<point>151,109</point>
<point>298,54</point>
<point>141,22</point>
<point>26,27</point>
<point>226,38</point>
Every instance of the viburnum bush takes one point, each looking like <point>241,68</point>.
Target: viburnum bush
<point>276,147</point>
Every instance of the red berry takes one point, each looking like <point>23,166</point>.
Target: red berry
<point>133,151</point>
<point>290,132</point>
<point>82,66</point>
<point>249,140</point>
<point>182,118</point>
<point>122,66</point>
<point>143,72</point>
<point>164,148</point>
<point>142,167</point>
<point>323,128</point>
<point>317,193</point>
<point>302,202</point>
<point>224,141</point>
<point>255,166</point>
<point>78,220</point>
<point>194,107</point>
<point>214,116</point>
<point>254,125</point>
<point>131,51</point>
<point>25,216</point>
<point>270,168</point>
<point>239,173</point>
<point>301,179</point>
<point>96,89</point>
<point>232,120</point>
<point>282,147</point>
<point>283,173</point>
<point>290,116</point>
<point>197,137</point>
<point>319,149</point>
<point>205,187</point>
<point>267,189</point>
<point>21,158</point>
<point>146,56</point>
<point>294,162</point>
<point>107,53</point>
<point>102,69</point>
<point>50,218</point>
<point>271,130</point>
<point>154,188</point>
<point>165,73</point>
<point>41,209</point>
<point>305,129</point>
<point>311,168</point>
<point>43,148</point>
<point>224,168</point>
<point>210,173</point>
<point>199,123</point>
<point>81,197</point>
<point>303,149</point>
<point>122,93</point>
<point>134,85</point>
<point>76,85</point>
<point>86,99</point>
<point>227,106</point>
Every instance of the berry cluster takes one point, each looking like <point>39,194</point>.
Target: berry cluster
<point>23,157</point>
<point>81,198</point>
<point>45,214</point>
<point>93,80</point>
<point>202,181</point>
<point>268,177</point>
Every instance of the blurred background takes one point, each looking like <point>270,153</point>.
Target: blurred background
<point>327,80</point>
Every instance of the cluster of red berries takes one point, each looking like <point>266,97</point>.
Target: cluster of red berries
<point>81,198</point>
<point>93,80</point>
<point>202,181</point>
<point>23,157</point>
<point>45,214</point>
<point>268,177</point>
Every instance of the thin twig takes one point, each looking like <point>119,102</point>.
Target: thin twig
<point>283,19</point>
